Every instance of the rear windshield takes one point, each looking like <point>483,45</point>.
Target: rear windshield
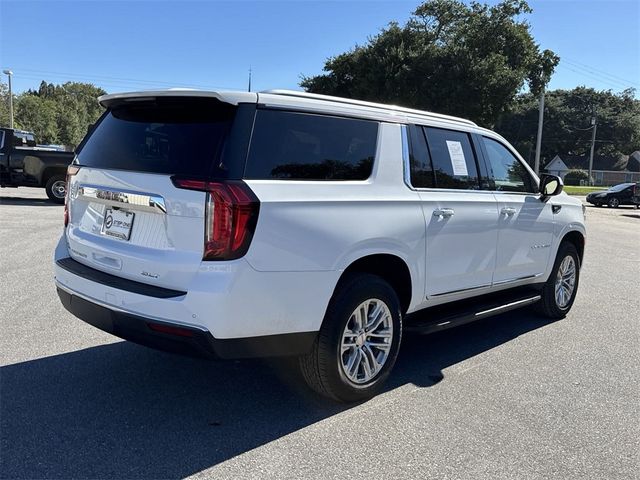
<point>177,136</point>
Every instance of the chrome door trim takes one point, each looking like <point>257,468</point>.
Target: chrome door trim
<point>518,279</point>
<point>501,282</point>
<point>487,285</point>
<point>119,198</point>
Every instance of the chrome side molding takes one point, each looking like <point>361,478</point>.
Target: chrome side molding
<point>486,285</point>
<point>518,279</point>
<point>120,198</point>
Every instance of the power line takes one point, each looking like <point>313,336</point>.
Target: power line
<point>595,76</point>
<point>43,77</point>
<point>118,81</point>
<point>611,83</point>
<point>102,83</point>
<point>602,72</point>
<point>602,77</point>
<point>102,77</point>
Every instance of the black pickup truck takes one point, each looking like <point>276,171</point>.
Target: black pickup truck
<point>24,164</point>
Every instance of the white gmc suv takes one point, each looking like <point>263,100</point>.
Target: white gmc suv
<point>237,224</point>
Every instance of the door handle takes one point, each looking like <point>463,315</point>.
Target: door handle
<point>443,212</point>
<point>508,211</point>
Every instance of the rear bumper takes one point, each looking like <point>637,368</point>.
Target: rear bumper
<point>230,300</point>
<point>181,339</point>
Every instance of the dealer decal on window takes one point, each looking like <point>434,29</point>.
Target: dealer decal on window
<point>458,161</point>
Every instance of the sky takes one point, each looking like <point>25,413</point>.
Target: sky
<point>143,44</point>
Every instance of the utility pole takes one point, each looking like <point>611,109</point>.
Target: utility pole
<point>249,88</point>
<point>8,73</point>
<point>536,166</point>
<point>594,126</point>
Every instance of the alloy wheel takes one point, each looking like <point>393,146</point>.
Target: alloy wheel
<point>565,281</point>
<point>366,341</point>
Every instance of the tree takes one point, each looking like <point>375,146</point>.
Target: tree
<point>4,105</point>
<point>38,115</point>
<point>59,113</point>
<point>567,123</point>
<point>467,60</point>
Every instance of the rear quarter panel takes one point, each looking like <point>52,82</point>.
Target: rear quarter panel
<point>327,225</point>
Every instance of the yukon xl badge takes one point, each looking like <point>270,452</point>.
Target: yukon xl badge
<point>544,245</point>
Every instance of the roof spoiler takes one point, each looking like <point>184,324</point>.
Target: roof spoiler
<point>230,97</point>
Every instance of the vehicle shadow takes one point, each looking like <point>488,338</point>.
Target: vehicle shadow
<point>124,411</point>
<point>28,202</point>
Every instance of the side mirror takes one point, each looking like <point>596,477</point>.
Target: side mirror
<point>550,185</point>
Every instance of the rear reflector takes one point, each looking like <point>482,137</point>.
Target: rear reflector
<point>71,171</point>
<point>231,217</point>
<point>177,331</point>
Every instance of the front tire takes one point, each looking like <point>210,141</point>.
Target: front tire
<point>614,203</point>
<point>358,342</point>
<point>559,292</point>
<point>56,188</point>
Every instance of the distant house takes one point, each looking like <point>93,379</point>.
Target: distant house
<point>607,170</point>
<point>557,167</point>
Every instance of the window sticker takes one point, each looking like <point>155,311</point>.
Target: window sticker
<point>458,162</point>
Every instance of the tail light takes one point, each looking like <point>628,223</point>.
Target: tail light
<point>230,218</point>
<point>71,171</point>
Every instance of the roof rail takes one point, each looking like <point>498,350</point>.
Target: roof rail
<point>381,106</point>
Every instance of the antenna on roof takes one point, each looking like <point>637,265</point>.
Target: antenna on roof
<point>249,88</point>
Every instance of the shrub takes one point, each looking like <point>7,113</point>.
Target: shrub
<point>573,177</point>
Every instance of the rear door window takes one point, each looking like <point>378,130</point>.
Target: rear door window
<point>453,158</point>
<point>168,135</point>
<point>421,169</point>
<point>300,146</point>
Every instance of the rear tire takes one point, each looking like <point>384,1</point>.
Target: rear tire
<point>345,364</point>
<point>614,203</point>
<point>56,188</point>
<point>556,304</point>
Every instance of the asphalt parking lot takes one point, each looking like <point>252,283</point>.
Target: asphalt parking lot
<point>510,397</point>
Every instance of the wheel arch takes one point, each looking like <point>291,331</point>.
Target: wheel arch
<point>392,268</point>
<point>577,239</point>
<point>49,172</point>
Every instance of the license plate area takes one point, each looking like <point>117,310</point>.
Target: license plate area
<point>117,223</point>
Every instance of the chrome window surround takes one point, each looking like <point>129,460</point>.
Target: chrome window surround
<point>406,166</point>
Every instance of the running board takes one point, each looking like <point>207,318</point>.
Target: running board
<point>446,316</point>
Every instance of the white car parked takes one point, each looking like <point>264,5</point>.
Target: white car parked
<point>236,224</point>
